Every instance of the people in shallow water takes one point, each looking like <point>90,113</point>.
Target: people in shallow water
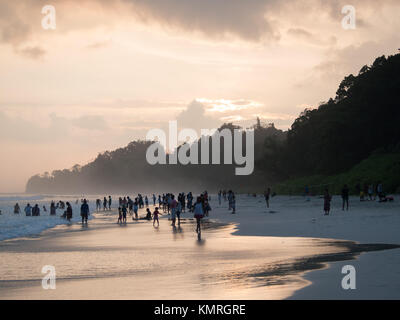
<point>17,209</point>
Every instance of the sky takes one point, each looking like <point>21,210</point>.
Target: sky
<point>111,70</point>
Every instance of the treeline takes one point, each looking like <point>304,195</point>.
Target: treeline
<point>126,169</point>
<point>362,119</point>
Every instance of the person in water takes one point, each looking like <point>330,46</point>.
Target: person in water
<point>84,211</point>
<point>28,210</point>
<point>52,209</point>
<point>17,209</point>
<point>36,211</point>
<point>327,202</point>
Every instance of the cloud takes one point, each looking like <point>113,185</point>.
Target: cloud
<point>194,117</point>
<point>33,131</point>
<point>35,52</point>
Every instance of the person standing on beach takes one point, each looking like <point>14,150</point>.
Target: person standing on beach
<point>267,194</point>
<point>345,197</point>
<point>124,210</point>
<point>119,215</point>
<point>327,202</point>
<point>109,202</point>
<point>28,210</point>
<point>155,216</point>
<point>85,211</point>
<point>154,199</point>
<point>69,211</point>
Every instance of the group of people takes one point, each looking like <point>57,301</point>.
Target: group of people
<point>34,211</point>
<point>106,203</point>
<point>228,196</point>
<point>169,204</point>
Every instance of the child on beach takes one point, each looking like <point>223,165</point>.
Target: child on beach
<point>148,215</point>
<point>119,215</point>
<point>155,216</point>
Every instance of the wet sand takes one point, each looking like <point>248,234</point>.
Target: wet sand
<point>137,261</point>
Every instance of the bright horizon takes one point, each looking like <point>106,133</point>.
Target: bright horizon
<point>113,70</point>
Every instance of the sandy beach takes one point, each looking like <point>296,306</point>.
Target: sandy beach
<point>242,256</point>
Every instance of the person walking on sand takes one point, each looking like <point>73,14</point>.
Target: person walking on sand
<point>156,213</point>
<point>135,209</point>
<point>85,211</point>
<point>327,202</point>
<point>345,197</point>
<point>198,213</point>
<point>154,199</point>
<point>28,210</point>
<point>104,204</point>
<point>267,195</point>
<point>124,211</point>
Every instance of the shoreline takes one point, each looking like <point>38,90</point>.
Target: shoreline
<point>313,271</point>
